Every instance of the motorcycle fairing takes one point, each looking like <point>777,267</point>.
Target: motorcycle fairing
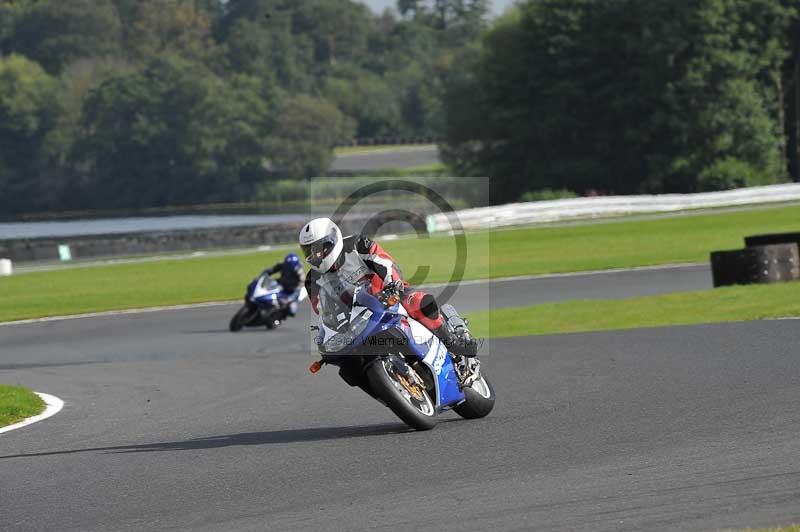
<point>441,363</point>
<point>264,291</point>
<point>374,319</point>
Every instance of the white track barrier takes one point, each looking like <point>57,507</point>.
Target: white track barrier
<point>607,206</point>
<point>6,268</point>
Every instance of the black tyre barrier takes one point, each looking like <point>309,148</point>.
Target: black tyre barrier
<point>758,264</point>
<point>768,240</point>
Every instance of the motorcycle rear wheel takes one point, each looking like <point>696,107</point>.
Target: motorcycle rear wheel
<point>419,415</point>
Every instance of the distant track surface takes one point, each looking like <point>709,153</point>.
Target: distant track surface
<point>401,157</point>
<point>386,159</point>
<point>172,423</point>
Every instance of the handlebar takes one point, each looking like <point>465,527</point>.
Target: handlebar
<point>390,295</point>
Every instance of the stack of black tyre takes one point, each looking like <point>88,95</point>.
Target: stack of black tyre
<point>766,259</point>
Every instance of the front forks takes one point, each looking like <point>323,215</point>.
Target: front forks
<point>468,370</point>
<point>408,376</point>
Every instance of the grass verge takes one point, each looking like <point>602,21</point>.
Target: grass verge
<point>790,528</point>
<point>349,150</point>
<point>739,303</point>
<point>423,170</point>
<point>489,255</point>
<point>17,403</point>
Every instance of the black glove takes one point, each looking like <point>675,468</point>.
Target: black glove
<point>397,287</point>
<point>392,291</point>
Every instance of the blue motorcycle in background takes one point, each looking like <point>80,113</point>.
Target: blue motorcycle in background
<point>265,304</point>
<point>397,360</point>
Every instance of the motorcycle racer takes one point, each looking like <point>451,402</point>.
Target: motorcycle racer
<point>348,260</point>
<point>292,278</point>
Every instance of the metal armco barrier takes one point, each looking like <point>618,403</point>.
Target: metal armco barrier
<point>607,206</point>
<point>182,240</point>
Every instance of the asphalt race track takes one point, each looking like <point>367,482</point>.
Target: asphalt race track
<point>172,423</point>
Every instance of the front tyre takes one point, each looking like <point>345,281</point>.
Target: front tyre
<point>273,320</point>
<point>242,317</point>
<point>480,399</point>
<point>410,403</point>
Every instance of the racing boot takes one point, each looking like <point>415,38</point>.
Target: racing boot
<point>459,341</point>
<point>443,322</point>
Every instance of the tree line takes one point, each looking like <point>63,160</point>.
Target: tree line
<point>129,104</point>
<point>126,104</point>
<point>630,96</point>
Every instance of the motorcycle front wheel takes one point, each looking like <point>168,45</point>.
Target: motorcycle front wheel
<point>242,317</point>
<point>479,400</point>
<point>411,404</point>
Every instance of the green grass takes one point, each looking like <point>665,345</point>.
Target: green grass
<point>424,170</point>
<point>489,255</point>
<point>680,239</point>
<point>790,528</point>
<point>18,403</point>
<point>739,303</point>
<point>346,150</point>
<point>127,286</point>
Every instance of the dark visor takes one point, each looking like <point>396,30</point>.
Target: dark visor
<point>316,252</point>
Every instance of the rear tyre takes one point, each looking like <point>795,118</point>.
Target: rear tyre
<point>419,414</point>
<point>480,400</point>
<point>242,317</point>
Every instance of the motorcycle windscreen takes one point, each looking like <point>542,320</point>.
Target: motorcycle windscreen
<point>342,323</point>
<point>264,288</point>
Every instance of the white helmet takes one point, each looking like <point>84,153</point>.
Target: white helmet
<point>322,243</point>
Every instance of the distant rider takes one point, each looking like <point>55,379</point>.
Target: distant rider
<point>354,258</point>
<point>291,279</point>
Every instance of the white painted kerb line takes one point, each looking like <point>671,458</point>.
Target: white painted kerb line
<point>148,310</point>
<point>54,406</point>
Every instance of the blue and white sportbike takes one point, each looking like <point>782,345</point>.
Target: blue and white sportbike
<point>397,360</point>
<point>266,303</point>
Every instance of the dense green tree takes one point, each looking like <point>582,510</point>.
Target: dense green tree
<point>55,32</point>
<point>267,48</point>
<point>29,108</point>
<point>339,29</point>
<point>790,83</point>
<point>176,27</point>
<point>161,102</point>
<point>75,84</point>
<point>622,96</point>
<point>296,42</point>
<point>459,21</point>
<point>138,103</point>
<point>726,92</point>
<point>304,135</point>
<point>9,13</point>
<point>173,133</point>
<point>368,99</point>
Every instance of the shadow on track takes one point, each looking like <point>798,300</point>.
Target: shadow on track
<point>247,330</point>
<point>244,438</point>
<point>209,331</point>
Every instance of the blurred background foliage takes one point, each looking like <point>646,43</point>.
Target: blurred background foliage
<point>131,104</point>
<point>627,96</point>
<point>135,104</point>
